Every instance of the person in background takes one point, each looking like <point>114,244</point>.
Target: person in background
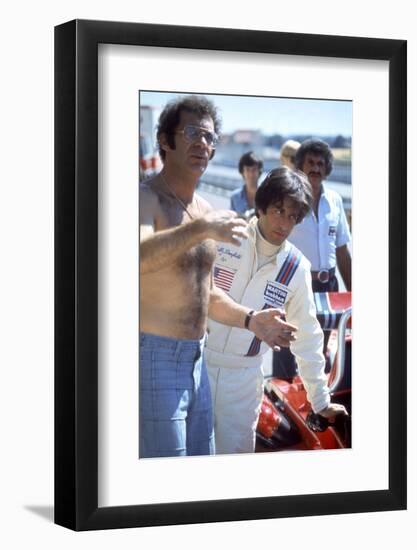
<point>242,200</point>
<point>269,272</point>
<point>287,153</point>
<point>324,235</point>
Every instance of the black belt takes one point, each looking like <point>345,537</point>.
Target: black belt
<point>324,275</point>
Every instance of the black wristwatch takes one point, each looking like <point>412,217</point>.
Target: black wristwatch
<point>248,318</point>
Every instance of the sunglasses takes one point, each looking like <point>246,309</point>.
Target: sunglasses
<point>193,133</point>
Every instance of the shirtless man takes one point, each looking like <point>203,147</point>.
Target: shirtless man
<point>178,231</point>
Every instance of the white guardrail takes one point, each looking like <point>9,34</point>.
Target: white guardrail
<point>222,180</point>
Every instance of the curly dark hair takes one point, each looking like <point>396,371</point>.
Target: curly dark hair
<point>283,183</point>
<point>316,147</point>
<point>250,159</point>
<point>170,116</point>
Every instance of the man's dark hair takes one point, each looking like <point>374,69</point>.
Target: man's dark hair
<point>170,117</point>
<point>284,183</point>
<point>315,147</point>
<point>250,159</point>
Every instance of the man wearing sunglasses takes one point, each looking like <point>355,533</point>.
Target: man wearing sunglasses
<point>178,230</point>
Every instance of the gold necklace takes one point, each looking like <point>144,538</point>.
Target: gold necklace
<point>176,197</point>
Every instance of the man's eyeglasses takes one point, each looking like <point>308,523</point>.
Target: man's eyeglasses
<point>193,133</point>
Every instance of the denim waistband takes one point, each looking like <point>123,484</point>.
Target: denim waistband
<point>175,345</point>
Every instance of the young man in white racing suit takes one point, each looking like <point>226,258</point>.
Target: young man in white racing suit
<point>265,271</point>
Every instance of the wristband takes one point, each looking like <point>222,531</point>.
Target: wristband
<point>248,318</point>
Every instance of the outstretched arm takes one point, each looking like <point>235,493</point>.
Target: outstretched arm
<point>267,324</point>
<point>308,350</point>
<point>159,248</point>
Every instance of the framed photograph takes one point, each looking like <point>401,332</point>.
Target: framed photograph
<point>105,73</point>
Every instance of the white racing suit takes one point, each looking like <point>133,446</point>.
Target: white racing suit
<point>234,355</point>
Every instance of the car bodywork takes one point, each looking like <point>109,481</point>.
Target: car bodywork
<point>286,420</point>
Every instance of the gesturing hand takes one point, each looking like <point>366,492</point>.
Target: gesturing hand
<point>225,226</point>
<point>269,326</point>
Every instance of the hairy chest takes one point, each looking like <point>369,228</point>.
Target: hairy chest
<point>198,260</point>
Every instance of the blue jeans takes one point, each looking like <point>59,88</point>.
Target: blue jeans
<point>175,410</point>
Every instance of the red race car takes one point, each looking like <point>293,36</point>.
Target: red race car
<point>286,421</point>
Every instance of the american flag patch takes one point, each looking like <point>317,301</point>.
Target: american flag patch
<point>223,277</point>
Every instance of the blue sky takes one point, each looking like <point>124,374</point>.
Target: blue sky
<point>285,116</point>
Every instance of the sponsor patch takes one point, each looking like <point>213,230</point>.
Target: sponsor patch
<point>332,231</point>
<point>274,294</point>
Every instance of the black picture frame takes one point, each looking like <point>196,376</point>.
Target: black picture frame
<point>76,272</point>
